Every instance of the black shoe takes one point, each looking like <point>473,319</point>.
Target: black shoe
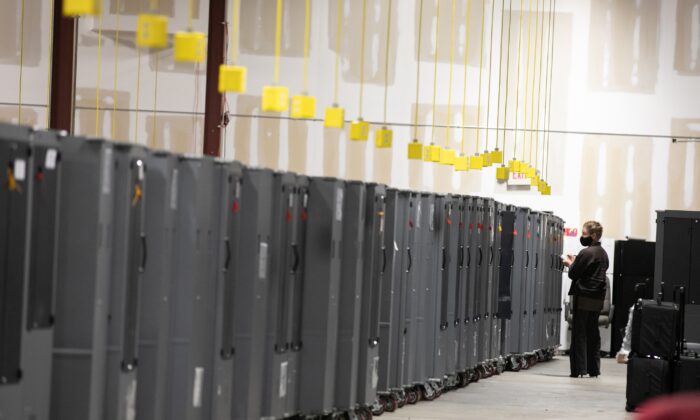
<point>575,376</point>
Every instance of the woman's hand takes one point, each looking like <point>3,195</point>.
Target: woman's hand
<point>569,260</point>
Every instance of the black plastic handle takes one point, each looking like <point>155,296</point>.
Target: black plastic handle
<point>481,256</point>
<point>144,253</point>
<point>461,256</point>
<point>527,258</point>
<point>227,263</point>
<point>444,258</point>
<point>500,257</point>
<point>491,255</point>
<point>537,260</point>
<point>410,260</point>
<point>297,258</point>
<point>383,259</point>
<point>469,256</point>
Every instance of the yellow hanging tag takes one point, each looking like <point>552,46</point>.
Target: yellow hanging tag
<point>383,138</point>
<point>81,7</point>
<point>359,130</point>
<point>476,162</point>
<point>531,172</point>
<point>232,79</point>
<point>502,173</point>
<point>151,31</point>
<point>535,181</point>
<point>137,195</point>
<point>415,150</point>
<point>275,99</point>
<point>541,186</point>
<point>547,189</point>
<point>303,107</point>
<point>190,47</point>
<point>497,156</point>
<point>334,118</point>
<point>435,153</point>
<point>426,153</point>
<point>11,181</point>
<point>486,159</point>
<point>462,163</point>
<point>447,157</point>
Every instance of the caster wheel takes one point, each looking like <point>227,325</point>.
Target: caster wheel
<point>389,403</point>
<point>463,380</point>
<point>400,399</point>
<point>411,397</point>
<point>378,411</point>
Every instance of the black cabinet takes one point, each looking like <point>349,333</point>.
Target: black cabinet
<point>678,262</point>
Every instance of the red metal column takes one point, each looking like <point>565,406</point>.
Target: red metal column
<point>213,107</point>
<point>62,70</point>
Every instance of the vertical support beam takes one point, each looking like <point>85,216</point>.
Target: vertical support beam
<point>62,70</point>
<point>213,108</point>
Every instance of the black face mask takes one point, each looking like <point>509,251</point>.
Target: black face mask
<point>586,240</point>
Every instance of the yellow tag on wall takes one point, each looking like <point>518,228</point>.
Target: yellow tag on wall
<point>190,47</point>
<point>303,107</point>
<point>275,99</point>
<point>151,31</point>
<point>415,150</point>
<point>497,156</point>
<point>476,162</point>
<point>232,79</point>
<point>359,130</point>
<point>447,157</point>
<point>462,163</point>
<point>334,117</point>
<point>383,138</point>
<point>81,7</point>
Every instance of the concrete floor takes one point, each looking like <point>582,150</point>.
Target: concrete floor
<point>542,392</point>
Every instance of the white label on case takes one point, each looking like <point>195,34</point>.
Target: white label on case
<point>432,216</point>
<point>131,401</point>
<point>283,379</point>
<point>20,169</point>
<point>375,372</point>
<point>396,247</point>
<point>173,190</point>
<point>339,205</point>
<point>50,161</point>
<point>107,171</point>
<point>262,261</point>
<point>197,387</point>
<point>419,213</point>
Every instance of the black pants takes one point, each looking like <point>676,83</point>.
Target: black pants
<point>584,354</point>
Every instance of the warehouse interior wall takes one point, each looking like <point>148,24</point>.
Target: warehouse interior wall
<point>619,67</point>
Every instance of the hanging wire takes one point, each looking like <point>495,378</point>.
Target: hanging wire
<point>481,72</point>
<point>517,84</point>
<point>307,34</point>
<point>138,94</point>
<point>546,86</point>
<point>488,93</point>
<point>449,93</point>
<point>235,22</point>
<point>539,89</point>
<point>116,69</point>
<point>155,98</point>
<point>190,14</point>
<point>551,73</point>
<point>437,33</point>
<point>278,41</point>
<point>505,110</point>
<point>49,72</point>
<point>534,65</point>
<point>21,63</point>
<point>500,72</point>
<point>466,62</point>
<point>420,38</point>
<point>338,32</point>
<point>527,76</point>
<point>362,56</point>
<point>386,60</point>
<point>99,65</point>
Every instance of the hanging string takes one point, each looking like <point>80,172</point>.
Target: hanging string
<point>437,33</point>
<point>307,34</point>
<point>116,69</point>
<point>235,22</point>
<point>527,76</point>
<point>155,99</point>
<point>505,110</point>
<point>21,63</point>
<point>362,55</point>
<point>420,38</point>
<point>551,72</point>
<point>449,93</point>
<point>278,41</point>
<point>49,72</point>
<point>488,93</point>
<point>138,95</point>
<point>386,60</point>
<point>466,62</point>
<point>534,65</point>
<point>99,65</point>
<point>190,14</point>
<point>517,85</point>
<point>546,82</point>
<point>338,32</point>
<point>500,71</point>
<point>539,89</point>
<point>481,72</point>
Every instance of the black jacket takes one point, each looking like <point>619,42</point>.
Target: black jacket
<point>588,272</point>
